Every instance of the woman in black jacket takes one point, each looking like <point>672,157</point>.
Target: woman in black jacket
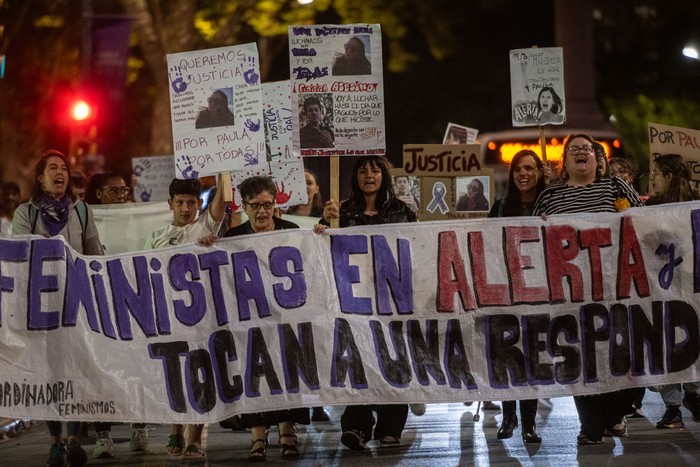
<point>372,202</point>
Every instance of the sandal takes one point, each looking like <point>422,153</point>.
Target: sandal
<point>259,454</point>
<point>194,452</point>
<point>175,445</point>
<point>289,451</point>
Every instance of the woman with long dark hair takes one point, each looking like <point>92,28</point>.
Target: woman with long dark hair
<point>53,211</point>
<point>372,201</point>
<point>525,183</point>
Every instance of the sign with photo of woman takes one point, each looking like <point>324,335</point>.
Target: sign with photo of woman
<point>537,86</point>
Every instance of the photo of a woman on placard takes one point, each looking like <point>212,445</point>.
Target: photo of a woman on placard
<point>217,112</point>
<point>474,199</point>
<point>550,106</point>
<point>354,60</point>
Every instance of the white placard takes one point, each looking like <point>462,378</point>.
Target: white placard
<point>537,86</point>
<point>216,110</point>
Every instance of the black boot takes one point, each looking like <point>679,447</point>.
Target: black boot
<point>528,412</point>
<point>510,420</point>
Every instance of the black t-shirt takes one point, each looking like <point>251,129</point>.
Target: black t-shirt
<point>246,228</point>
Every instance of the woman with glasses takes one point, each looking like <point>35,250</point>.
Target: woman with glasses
<point>258,195</point>
<point>353,61</point>
<point>107,188</point>
<point>585,190</point>
<point>623,168</point>
<point>217,112</point>
<point>372,201</point>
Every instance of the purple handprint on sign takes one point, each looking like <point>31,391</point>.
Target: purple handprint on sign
<point>179,85</point>
<point>252,126</point>
<point>188,171</point>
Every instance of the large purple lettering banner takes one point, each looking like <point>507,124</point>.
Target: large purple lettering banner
<point>438,311</point>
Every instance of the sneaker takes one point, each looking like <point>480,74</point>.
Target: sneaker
<point>417,409</point>
<point>354,440</point>
<point>618,430</point>
<point>139,439</point>
<point>104,445</point>
<point>389,441</point>
<point>691,401</point>
<point>672,418</point>
<point>585,440</point>
<point>75,455</point>
<point>57,456</point>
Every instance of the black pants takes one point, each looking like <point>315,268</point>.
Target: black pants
<point>391,420</point>
<point>600,411</point>
<point>528,411</point>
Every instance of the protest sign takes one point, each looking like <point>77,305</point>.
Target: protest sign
<point>288,178</point>
<point>666,139</point>
<point>458,134</point>
<point>337,90</point>
<point>216,110</point>
<point>151,178</point>
<point>537,86</point>
<point>490,309</point>
<point>277,105</point>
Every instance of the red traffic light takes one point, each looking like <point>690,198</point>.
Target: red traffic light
<point>80,111</point>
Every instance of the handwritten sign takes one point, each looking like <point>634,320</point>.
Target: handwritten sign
<point>216,110</point>
<point>151,177</point>
<point>441,159</point>
<point>666,139</point>
<point>537,86</point>
<point>288,177</point>
<point>278,121</point>
<point>337,90</point>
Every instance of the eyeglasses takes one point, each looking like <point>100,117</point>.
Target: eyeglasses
<point>214,99</point>
<point>580,149</point>
<point>117,190</point>
<point>256,206</point>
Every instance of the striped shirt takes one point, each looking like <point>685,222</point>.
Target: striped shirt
<point>599,196</point>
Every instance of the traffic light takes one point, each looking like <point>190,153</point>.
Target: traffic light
<point>83,131</point>
<point>81,111</point>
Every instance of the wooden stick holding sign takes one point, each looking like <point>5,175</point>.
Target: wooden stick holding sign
<point>543,148</point>
<point>226,185</point>
<point>335,188</point>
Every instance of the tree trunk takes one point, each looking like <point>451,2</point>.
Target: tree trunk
<point>162,29</point>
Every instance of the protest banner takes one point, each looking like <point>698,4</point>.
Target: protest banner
<point>537,86</point>
<point>666,139</point>
<point>216,110</point>
<point>337,90</point>
<point>151,177</point>
<point>491,309</point>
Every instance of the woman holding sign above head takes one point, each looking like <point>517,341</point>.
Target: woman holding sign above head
<point>585,190</point>
<point>525,183</point>
<point>53,211</point>
<point>372,201</point>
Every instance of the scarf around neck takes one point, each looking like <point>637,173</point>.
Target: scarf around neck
<point>54,213</point>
